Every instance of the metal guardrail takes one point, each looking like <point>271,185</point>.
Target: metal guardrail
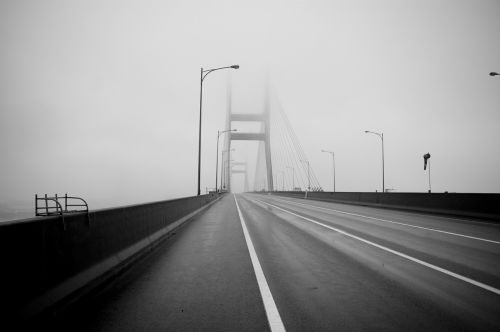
<point>58,205</point>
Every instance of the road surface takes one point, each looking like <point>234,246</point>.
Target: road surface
<point>255,262</point>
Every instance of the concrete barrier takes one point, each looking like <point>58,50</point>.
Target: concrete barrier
<point>45,263</point>
<point>484,206</point>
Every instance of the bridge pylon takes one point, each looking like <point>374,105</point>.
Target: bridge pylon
<point>243,170</point>
<point>264,136</point>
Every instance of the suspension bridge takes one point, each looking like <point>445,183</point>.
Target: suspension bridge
<point>286,256</point>
<point>281,163</point>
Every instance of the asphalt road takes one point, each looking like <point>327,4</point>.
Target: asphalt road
<point>259,262</point>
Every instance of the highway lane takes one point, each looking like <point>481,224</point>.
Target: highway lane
<point>476,242</point>
<point>326,267</point>
<point>365,284</point>
<point>199,279</point>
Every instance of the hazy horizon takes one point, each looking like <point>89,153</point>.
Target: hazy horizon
<point>100,99</point>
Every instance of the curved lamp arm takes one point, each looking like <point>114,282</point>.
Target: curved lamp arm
<point>208,71</point>
<point>375,133</point>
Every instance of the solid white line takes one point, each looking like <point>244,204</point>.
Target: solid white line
<point>424,214</point>
<point>390,221</point>
<point>273,316</point>
<point>413,259</point>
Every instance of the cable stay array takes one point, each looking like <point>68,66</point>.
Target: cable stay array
<point>281,164</point>
<point>291,168</point>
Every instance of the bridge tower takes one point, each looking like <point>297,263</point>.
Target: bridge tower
<point>264,136</point>
<point>242,170</point>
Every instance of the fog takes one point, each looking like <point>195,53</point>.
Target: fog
<point>100,99</point>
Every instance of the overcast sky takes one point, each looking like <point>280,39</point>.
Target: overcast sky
<point>100,99</point>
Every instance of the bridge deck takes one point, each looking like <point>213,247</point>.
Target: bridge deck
<point>328,267</point>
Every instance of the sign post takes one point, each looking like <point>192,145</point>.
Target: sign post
<point>427,157</point>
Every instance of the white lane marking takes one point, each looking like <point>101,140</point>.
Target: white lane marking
<point>400,254</point>
<point>389,221</point>
<point>409,211</point>
<point>273,316</point>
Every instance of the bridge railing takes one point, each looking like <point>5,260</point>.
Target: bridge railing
<point>58,205</point>
<point>45,264</point>
<point>52,206</point>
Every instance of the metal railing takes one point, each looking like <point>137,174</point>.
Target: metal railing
<point>59,205</point>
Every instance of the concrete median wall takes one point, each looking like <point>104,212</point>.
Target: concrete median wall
<point>45,261</point>
<point>485,206</point>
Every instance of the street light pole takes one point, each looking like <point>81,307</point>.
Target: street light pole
<point>217,155</point>
<point>282,180</point>
<point>293,177</point>
<point>203,74</point>
<point>333,158</point>
<point>226,162</point>
<point>381,135</point>
<point>427,160</point>
<point>430,176</point>
<point>222,168</point>
<point>308,175</point>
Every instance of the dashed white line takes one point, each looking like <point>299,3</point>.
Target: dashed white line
<point>400,254</point>
<point>273,316</point>
<point>390,221</point>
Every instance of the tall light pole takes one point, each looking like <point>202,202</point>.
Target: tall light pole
<point>282,180</point>
<point>230,166</point>
<point>222,168</point>
<point>203,74</point>
<point>217,155</point>
<point>308,174</point>
<point>333,158</point>
<point>293,177</point>
<point>381,135</point>
<point>427,160</point>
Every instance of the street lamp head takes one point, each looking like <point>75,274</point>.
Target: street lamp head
<point>234,130</point>
<point>494,74</point>
<point>235,66</point>
<point>366,131</point>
